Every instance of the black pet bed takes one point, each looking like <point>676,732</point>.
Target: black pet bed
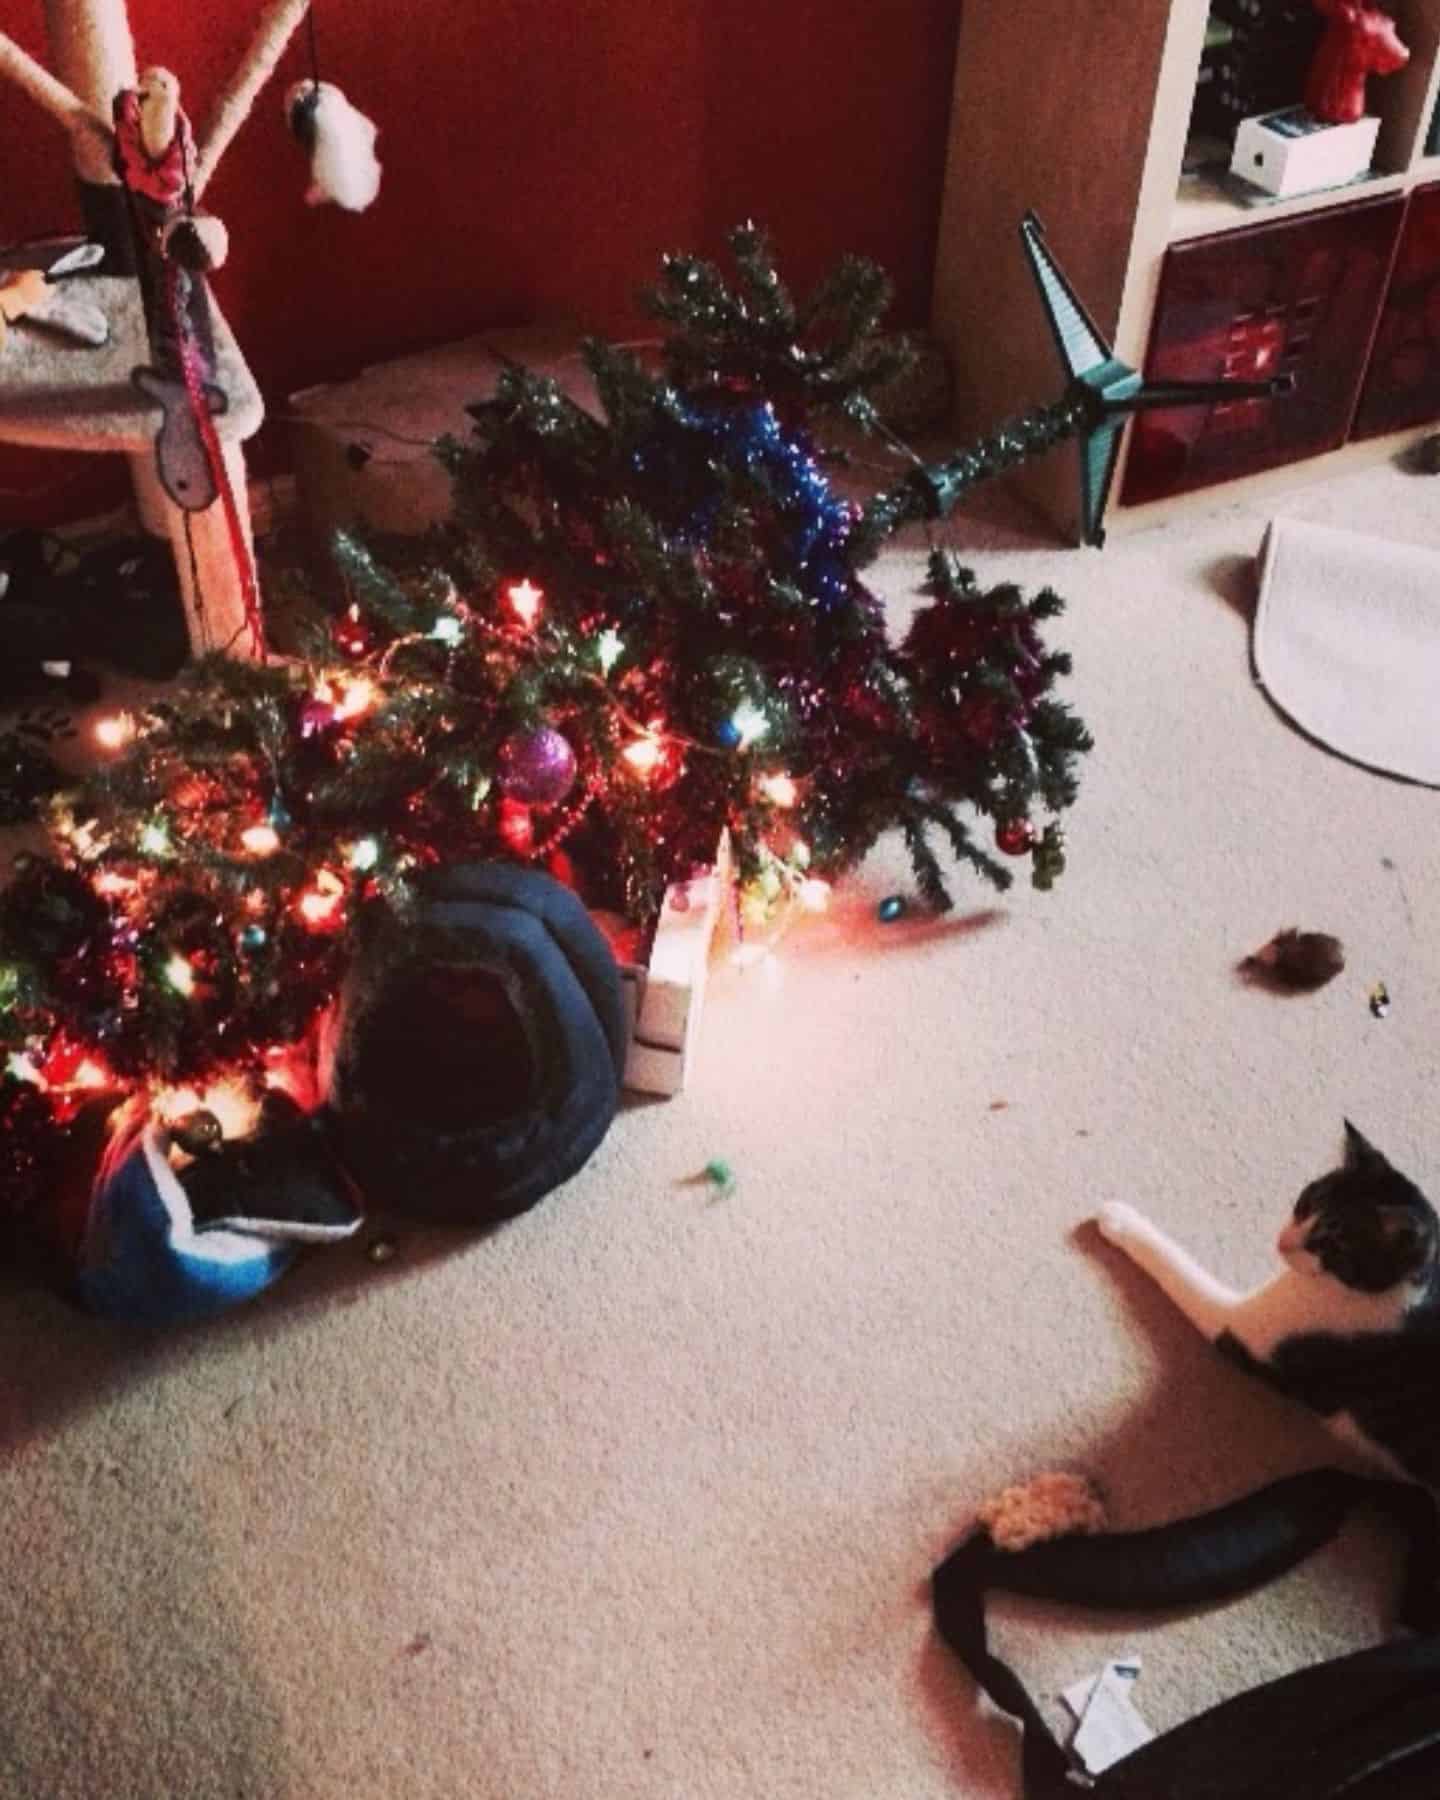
<point>480,1046</point>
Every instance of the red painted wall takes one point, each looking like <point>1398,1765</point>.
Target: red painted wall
<point>538,158</point>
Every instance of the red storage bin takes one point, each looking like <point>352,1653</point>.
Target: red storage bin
<point>1402,384</point>
<point>1299,295</point>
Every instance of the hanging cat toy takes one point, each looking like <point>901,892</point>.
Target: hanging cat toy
<point>164,175</point>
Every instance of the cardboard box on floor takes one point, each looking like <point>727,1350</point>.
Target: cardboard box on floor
<point>362,457</point>
<point>665,994</point>
<point>362,448</point>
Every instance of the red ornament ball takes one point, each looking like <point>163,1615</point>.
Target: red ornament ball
<point>1016,837</point>
<point>537,767</point>
<point>352,637</point>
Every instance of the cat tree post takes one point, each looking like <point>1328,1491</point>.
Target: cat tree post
<point>93,54</point>
<point>82,399</point>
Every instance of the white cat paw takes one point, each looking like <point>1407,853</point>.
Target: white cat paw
<point>1119,1223</point>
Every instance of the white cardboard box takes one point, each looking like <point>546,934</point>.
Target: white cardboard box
<point>362,448</point>
<point>1293,152</point>
<point>665,997</point>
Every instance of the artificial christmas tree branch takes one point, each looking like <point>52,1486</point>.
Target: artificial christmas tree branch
<point>642,633</point>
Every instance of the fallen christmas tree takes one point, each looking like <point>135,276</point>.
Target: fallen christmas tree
<point>639,630</point>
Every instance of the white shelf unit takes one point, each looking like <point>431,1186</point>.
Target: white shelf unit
<point>1082,115</point>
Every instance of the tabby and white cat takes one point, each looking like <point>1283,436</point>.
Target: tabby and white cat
<point>1350,1327</point>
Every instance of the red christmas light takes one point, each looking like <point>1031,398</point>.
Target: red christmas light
<point>643,754</point>
<point>352,636</point>
<point>517,827</point>
<point>322,905</point>
<point>260,840</point>
<point>111,883</point>
<point>69,1064</point>
<point>114,732</point>
<point>654,757</point>
<point>779,790</point>
<point>355,698</point>
<point>67,1076</point>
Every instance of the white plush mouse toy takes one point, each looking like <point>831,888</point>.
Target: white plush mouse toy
<point>341,142</point>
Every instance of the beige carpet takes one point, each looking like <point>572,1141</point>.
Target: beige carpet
<point>639,1497</point>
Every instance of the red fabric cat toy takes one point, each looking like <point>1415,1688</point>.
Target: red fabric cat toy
<point>1359,41</point>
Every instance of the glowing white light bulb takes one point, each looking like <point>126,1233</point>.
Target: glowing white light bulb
<point>525,598</point>
<point>180,975</point>
<point>749,724</point>
<point>356,697</point>
<point>115,731</point>
<point>609,647</point>
<point>643,754</point>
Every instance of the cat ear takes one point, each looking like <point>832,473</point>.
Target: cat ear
<point>1409,1236</point>
<point>1358,1149</point>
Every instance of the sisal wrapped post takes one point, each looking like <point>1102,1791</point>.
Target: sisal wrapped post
<point>214,601</point>
<point>93,54</point>
<point>52,96</point>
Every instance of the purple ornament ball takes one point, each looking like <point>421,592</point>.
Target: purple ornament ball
<point>537,766</point>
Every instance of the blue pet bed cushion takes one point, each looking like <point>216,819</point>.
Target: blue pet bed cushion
<point>479,1046</point>
<point>142,1257</point>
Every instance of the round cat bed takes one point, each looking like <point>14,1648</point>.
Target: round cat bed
<point>144,1256</point>
<point>479,1046</point>
<point>140,1238</point>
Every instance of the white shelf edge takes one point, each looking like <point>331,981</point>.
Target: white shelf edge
<point>1209,210</point>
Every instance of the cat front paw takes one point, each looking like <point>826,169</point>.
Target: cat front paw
<point>1119,1223</point>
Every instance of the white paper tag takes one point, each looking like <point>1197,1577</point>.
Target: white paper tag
<point>1109,1724</point>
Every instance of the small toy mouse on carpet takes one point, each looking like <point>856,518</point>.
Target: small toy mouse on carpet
<point>1301,960</point>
